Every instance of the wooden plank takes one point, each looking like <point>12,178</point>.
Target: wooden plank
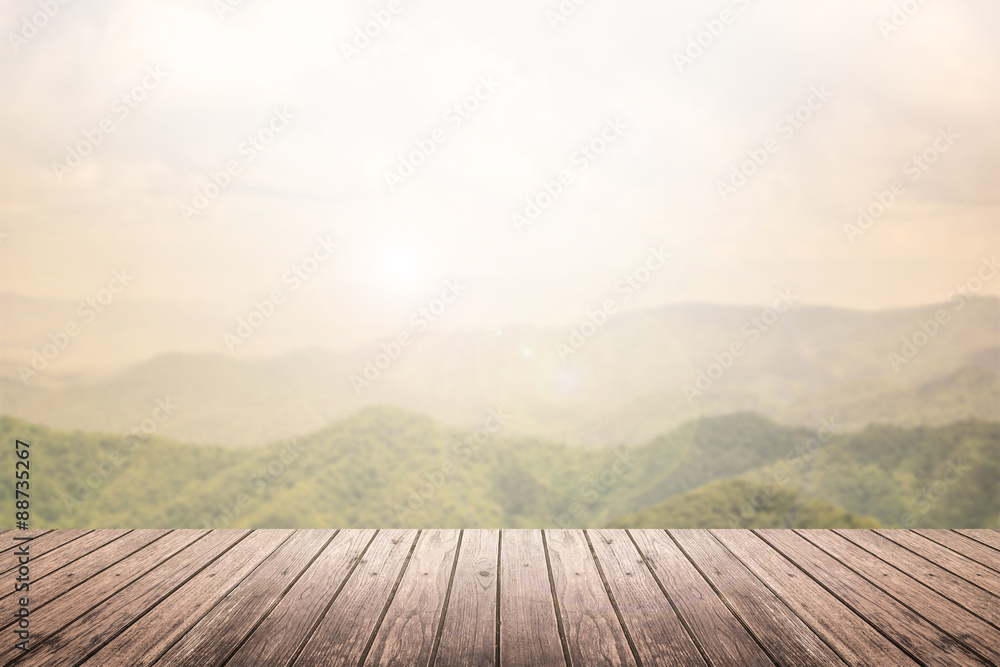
<point>45,542</point>
<point>44,565</point>
<point>218,634</point>
<point>968,547</point>
<point>960,624</point>
<point>286,628</point>
<point>839,626</point>
<point>529,631</point>
<point>82,569</point>
<point>943,582</point>
<point>469,633</point>
<point>594,635</point>
<point>344,633</point>
<point>657,633</point>
<point>908,630</point>
<point>87,634</point>
<point>155,632</point>
<point>721,636</point>
<point>990,538</point>
<point>85,597</point>
<point>409,630</point>
<point>787,639</point>
<point>8,542</point>
<point>966,568</point>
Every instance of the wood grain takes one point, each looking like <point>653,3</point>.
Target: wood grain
<point>966,546</point>
<point>964,567</point>
<point>469,634</point>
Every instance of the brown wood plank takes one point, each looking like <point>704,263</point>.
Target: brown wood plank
<point>990,538</point>
<point>594,635</point>
<point>152,635</point>
<point>956,589</point>
<point>95,590</point>
<point>529,632</point>
<point>839,626</point>
<point>410,627</point>
<point>218,634</point>
<point>657,633</point>
<point>44,565</point>
<point>787,639</point>
<point>721,636</point>
<point>287,627</point>
<point>45,542</point>
<point>966,546</point>
<point>960,624</point>
<point>88,633</point>
<point>82,569</point>
<point>469,633</point>
<point>915,634</point>
<point>942,556</point>
<point>351,621</point>
<point>8,542</point>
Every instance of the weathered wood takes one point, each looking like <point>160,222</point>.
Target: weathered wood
<point>787,639</point>
<point>966,546</point>
<point>964,567</point>
<point>656,631</point>
<point>43,543</point>
<point>469,634</point>
<point>960,624</point>
<point>910,631</point>
<point>286,628</point>
<point>149,637</point>
<point>990,538</point>
<point>593,632</point>
<point>218,634</point>
<point>529,632</point>
<point>92,630</point>
<point>839,626</point>
<point>410,627</point>
<point>7,541</point>
<point>721,636</point>
<point>344,633</point>
<point>956,589</point>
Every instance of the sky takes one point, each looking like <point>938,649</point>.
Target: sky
<point>667,120</point>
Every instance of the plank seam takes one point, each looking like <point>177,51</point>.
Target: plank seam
<point>974,539</point>
<point>388,603</point>
<point>726,602</point>
<point>891,594</point>
<point>555,602</point>
<point>676,611</point>
<point>496,623</point>
<point>953,550</point>
<point>447,599</point>
<point>857,613</point>
<point>940,565</point>
<point>336,594</point>
<point>611,597</point>
<point>54,549</point>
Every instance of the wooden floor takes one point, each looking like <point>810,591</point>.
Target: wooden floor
<point>512,597</point>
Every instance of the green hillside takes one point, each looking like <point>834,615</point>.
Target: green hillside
<point>738,503</point>
<point>386,467</point>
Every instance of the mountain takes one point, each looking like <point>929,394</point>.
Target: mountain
<point>625,385</point>
<point>386,467</point>
<point>724,503</point>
